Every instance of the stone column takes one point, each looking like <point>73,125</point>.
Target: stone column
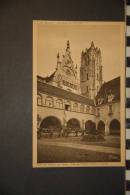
<point>107,128</point>
<point>83,125</point>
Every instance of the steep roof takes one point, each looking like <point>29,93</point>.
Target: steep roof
<point>108,88</point>
<point>58,92</point>
<point>48,78</point>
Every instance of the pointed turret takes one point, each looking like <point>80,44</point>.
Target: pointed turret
<point>92,45</point>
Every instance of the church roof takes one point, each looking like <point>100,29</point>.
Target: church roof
<point>108,88</point>
<point>58,92</point>
<point>48,78</point>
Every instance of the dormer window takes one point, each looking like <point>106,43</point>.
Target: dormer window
<point>110,97</point>
<point>100,100</point>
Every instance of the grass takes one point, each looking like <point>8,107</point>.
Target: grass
<point>59,154</point>
<point>110,141</point>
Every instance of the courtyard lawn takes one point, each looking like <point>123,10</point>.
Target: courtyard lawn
<point>59,154</point>
<point>110,141</point>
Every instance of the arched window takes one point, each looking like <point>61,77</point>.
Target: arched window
<point>81,108</point>
<point>59,103</point>
<point>49,101</point>
<point>75,107</point>
<point>39,99</point>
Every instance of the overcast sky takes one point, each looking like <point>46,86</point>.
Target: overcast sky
<point>52,38</point>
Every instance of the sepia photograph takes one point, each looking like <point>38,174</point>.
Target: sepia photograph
<point>78,93</point>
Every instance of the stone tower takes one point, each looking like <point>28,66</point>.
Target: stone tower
<point>91,71</point>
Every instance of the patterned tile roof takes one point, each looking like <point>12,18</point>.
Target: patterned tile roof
<point>58,92</point>
<point>110,89</point>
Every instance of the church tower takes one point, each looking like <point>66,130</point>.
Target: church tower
<point>91,71</point>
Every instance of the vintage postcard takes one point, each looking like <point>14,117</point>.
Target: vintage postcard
<point>78,93</point>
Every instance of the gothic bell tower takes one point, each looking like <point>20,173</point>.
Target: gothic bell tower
<point>91,71</point>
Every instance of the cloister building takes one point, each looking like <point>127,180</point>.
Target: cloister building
<point>67,99</point>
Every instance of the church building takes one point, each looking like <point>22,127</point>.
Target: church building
<point>63,99</point>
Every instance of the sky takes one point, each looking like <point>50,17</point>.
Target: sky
<point>52,38</point>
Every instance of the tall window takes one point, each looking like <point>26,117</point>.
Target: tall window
<point>87,76</point>
<point>81,108</point>
<point>39,99</point>
<point>75,107</point>
<point>49,101</point>
<point>59,103</point>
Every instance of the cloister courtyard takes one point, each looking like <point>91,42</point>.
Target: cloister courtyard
<point>76,149</point>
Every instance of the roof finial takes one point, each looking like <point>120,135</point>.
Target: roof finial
<point>92,44</point>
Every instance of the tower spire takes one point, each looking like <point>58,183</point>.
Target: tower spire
<point>92,45</point>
